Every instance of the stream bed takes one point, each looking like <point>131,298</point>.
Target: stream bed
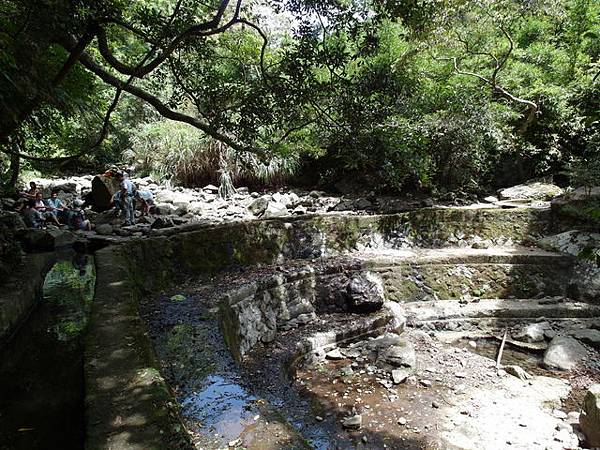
<point>41,367</point>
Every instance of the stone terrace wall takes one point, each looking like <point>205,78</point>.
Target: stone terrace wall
<point>156,260</point>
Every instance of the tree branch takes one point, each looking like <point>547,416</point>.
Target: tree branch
<point>203,29</point>
<point>159,106</point>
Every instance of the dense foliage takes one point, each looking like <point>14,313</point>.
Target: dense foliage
<point>420,94</point>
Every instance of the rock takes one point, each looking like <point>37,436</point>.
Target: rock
<point>164,209</point>
<point>104,217</point>
<point>334,354</point>
<point>46,240</point>
<point>517,372</point>
<point>162,222</point>
<point>350,352</point>
<point>425,383</point>
<point>399,375</point>
<point>211,189</point>
<point>258,206</point>
<point>234,443</point>
<point>399,355</point>
<point>346,371</point>
<point>299,210</point>
<point>353,422</point>
<point>530,191</point>
<point>564,353</point>
<point>104,229</point>
<point>274,209</point>
<point>490,199</point>
<point>103,188</point>
<point>402,421</point>
<point>533,332</point>
<point>178,298</point>
<point>588,336</point>
<point>365,292</point>
<point>589,419</point>
<point>574,242</point>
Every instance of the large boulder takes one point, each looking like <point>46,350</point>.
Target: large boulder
<point>402,354</point>
<point>564,353</point>
<point>365,292</point>
<point>589,419</point>
<point>103,188</point>
<point>275,209</point>
<point>37,240</point>
<point>589,336</point>
<point>578,243</point>
<point>530,191</point>
<point>258,206</point>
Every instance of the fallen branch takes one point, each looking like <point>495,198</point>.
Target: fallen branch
<point>499,359</point>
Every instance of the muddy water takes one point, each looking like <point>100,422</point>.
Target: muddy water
<point>41,368</point>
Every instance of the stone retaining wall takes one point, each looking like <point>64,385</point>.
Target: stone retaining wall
<point>128,403</point>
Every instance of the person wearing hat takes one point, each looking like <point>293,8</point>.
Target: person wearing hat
<point>76,217</point>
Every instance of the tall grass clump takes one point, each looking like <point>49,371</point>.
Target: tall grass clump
<point>181,154</point>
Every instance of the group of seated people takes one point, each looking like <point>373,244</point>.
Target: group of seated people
<point>39,212</point>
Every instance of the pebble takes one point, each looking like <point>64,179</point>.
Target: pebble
<point>319,418</point>
<point>401,421</point>
<point>425,383</point>
<point>334,354</point>
<point>353,422</point>
<point>435,404</point>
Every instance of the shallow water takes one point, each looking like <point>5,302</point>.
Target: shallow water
<point>529,360</point>
<point>223,407</point>
<point>41,368</point>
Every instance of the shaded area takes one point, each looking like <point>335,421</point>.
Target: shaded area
<point>41,368</point>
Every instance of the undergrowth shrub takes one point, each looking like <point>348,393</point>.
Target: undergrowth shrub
<point>179,153</point>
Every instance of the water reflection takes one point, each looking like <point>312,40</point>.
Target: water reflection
<point>68,291</point>
<point>41,368</point>
<point>223,407</point>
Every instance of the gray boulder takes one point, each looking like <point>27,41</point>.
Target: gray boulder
<point>564,353</point>
<point>365,292</point>
<point>533,332</point>
<point>589,419</point>
<point>399,355</point>
<point>589,336</point>
<point>258,206</point>
<point>275,209</point>
<point>103,188</point>
<point>104,229</point>
<point>162,222</point>
<point>530,191</point>
<point>46,240</point>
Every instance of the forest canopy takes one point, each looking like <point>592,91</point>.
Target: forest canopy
<point>401,95</point>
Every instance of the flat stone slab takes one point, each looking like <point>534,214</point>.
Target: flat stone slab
<point>490,308</point>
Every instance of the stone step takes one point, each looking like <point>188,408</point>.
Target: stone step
<point>446,310</point>
<point>455,273</point>
<point>463,255</point>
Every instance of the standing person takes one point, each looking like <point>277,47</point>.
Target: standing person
<point>127,200</point>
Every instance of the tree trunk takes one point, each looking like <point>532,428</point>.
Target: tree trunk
<point>15,170</point>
